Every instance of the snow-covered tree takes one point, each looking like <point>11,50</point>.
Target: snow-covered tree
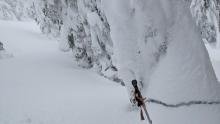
<point>16,9</point>
<point>49,16</point>
<point>83,26</point>
<point>6,12</point>
<point>79,25</point>
<point>207,18</point>
<point>87,32</point>
<point>157,43</point>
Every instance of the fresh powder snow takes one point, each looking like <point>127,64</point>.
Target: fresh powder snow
<point>156,42</point>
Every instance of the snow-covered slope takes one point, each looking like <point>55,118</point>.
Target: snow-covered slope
<point>160,39</point>
<point>215,58</point>
<point>42,85</point>
<point>186,64</point>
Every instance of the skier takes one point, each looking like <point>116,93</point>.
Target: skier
<point>140,101</point>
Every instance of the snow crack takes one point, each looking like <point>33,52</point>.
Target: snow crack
<point>181,104</point>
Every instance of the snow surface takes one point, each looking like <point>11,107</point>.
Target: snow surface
<point>215,58</point>
<point>140,30</point>
<point>41,85</point>
<point>182,73</point>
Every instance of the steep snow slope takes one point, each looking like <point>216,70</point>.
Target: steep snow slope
<point>181,72</point>
<point>185,64</point>
<point>41,85</point>
<point>215,58</point>
<point>185,74</point>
